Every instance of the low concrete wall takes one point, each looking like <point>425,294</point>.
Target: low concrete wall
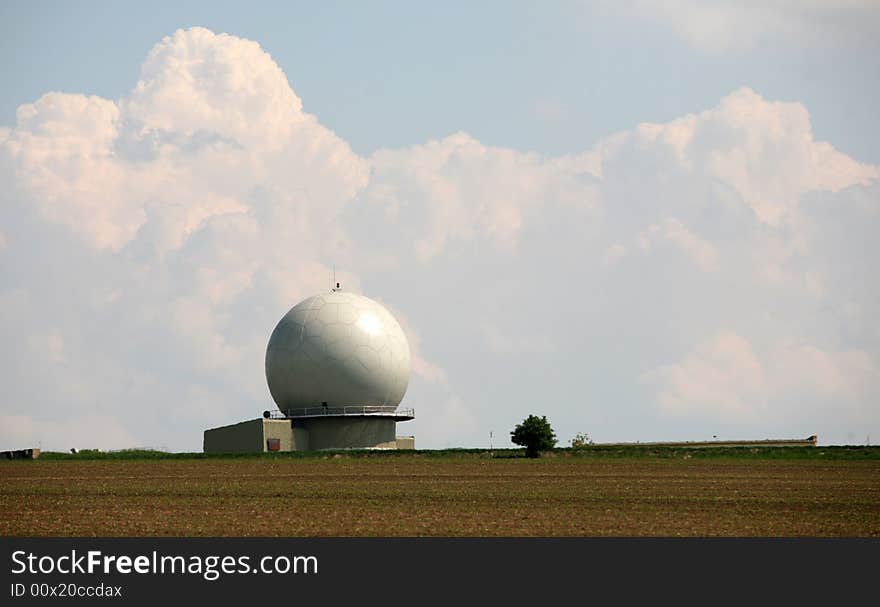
<point>406,442</point>
<point>810,441</point>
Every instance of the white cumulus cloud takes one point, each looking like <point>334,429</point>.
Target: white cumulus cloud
<point>148,245</point>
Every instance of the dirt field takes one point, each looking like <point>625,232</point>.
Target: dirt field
<point>418,496</point>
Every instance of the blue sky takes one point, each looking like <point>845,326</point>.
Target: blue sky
<point>547,77</point>
<point>648,221</point>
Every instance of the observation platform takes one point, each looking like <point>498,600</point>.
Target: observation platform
<point>386,411</point>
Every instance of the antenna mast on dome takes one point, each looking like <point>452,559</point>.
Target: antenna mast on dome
<point>337,287</point>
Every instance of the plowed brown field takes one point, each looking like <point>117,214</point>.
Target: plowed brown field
<point>415,496</point>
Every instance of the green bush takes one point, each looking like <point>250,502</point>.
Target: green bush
<point>581,441</point>
<point>535,434</point>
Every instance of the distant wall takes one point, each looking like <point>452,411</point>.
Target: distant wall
<point>810,441</point>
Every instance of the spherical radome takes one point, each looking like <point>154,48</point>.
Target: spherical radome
<point>339,348</point>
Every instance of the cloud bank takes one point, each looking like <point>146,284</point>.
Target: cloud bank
<point>738,25</point>
<point>709,275</point>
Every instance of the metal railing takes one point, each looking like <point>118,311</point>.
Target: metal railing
<point>360,410</point>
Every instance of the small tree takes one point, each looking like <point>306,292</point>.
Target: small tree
<point>535,434</point>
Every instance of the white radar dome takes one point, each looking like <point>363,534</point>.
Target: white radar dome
<point>337,348</point>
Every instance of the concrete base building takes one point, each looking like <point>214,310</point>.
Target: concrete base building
<point>314,429</point>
